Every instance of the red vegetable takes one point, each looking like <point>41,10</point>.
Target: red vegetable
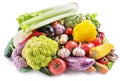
<point>87,47</point>
<point>104,60</point>
<point>54,24</point>
<point>97,41</point>
<point>68,31</point>
<point>34,33</point>
<point>102,35</point>
<point>71,45</point>
<point>57,66</point>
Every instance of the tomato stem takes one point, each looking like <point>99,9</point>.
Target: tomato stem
<point>56,65</point>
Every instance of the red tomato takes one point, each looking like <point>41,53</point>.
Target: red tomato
<point>97,41</point>
<point>87,47</point>
<point>102,35</point>
<point>54,24</point>
<point>71,45</point>
<point>104,60</point>
<point>57,66</point>
<point>68,31</point>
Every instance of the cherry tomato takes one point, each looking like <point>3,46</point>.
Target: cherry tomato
<point>104,60</point>
<point>71,45</point>
<point>68,31</point>
<point>87,47</point>
<point>54,24</point>
<point>102,35</point>
<point>97,41</point>
<point>57,66</point>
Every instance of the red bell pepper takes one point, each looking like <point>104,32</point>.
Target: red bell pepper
<point>34,33</point>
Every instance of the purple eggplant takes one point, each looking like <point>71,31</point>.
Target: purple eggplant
<point>79,63</point>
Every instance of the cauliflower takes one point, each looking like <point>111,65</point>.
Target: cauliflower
<point>19,62</point>
<point>38,51</point>
<point>19,37</point>
<point>17,51</point>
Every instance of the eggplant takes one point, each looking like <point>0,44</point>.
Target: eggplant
<point>49,30</point>
<point>79,63</point>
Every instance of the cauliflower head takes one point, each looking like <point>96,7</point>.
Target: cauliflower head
<point>38,51</point>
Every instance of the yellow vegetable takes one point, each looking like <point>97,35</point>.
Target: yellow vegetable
<point>84,31</point>
<point>101,50</point>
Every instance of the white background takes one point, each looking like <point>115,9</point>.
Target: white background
<point>108,15</point>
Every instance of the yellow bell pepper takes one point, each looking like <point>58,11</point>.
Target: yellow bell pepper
<point>84,32</point>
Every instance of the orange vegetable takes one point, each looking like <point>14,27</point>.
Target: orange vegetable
<point>102,68</point>
<point>91,69</point>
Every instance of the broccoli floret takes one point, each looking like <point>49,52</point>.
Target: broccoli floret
<point>73,20</point>
<point>38,51</point>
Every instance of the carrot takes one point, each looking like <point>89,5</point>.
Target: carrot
<point>91,69</point>
<point>102,68</point>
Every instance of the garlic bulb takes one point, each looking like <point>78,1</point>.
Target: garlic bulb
<point>63,53</point>
<point>78,51</point>
<point>63,39</point>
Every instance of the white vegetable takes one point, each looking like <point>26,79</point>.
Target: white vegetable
<point>19,37</point>
<point>62,39</point>
<point>78,51</point>
<point>63,53</point>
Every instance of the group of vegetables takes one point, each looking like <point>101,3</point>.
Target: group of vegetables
<point>55,39</point>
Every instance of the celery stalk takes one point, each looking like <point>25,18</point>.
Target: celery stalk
<point>49,16</point>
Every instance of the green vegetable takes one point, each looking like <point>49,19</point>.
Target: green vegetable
<point>27,16</point>
<point>105,40</point>
<point>9,49</point>
<point>27,69</point>
<point>46,71</point>
<point>46,16</point>
<point>73,20</point>
<point>38,51</point>
<point>92,17</point>
<point>110,64</point>
<point>19,28</point>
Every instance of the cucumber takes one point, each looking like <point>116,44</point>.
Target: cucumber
<point>8,49</point>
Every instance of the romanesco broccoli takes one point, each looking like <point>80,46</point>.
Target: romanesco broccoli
<point>38,51</point>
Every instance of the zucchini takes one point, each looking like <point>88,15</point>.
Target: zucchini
<point>9,49</point>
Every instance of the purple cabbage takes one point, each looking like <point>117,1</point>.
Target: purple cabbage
<point>17,51</point>
<point>20,62</point>
<point>78,63</point>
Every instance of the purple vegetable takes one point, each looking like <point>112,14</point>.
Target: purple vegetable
<point>19,62</point>
<point>78,63</point>
<point>59,29</point>
<point>17,51</point>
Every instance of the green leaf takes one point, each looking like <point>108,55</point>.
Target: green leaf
<point>46,71</point>
<point>27,69</point>
<point>110,64</point>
